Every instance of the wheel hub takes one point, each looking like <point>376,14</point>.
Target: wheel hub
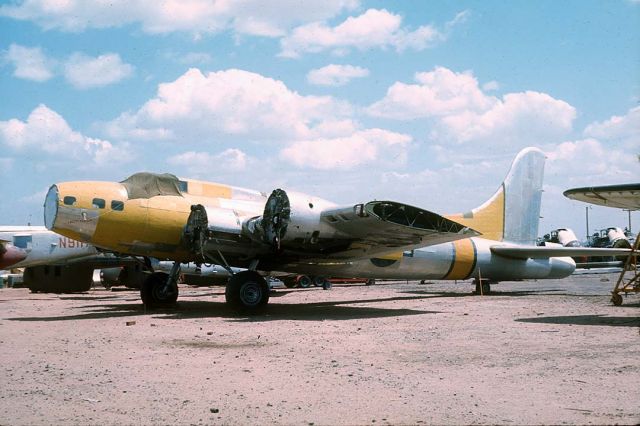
<point>250,293</point>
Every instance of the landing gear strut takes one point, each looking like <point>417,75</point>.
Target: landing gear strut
<point>161,289</point>
<point>247,291</point>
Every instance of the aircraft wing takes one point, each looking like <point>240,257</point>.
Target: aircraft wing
<point>284,234</point>
<point>380,227</point>
<point>541,252</point>
<point>626,196</point>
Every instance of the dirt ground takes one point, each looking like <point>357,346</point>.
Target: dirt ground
<point>394,353</point>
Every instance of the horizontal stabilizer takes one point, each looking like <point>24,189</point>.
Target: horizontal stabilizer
<point>521,252</point>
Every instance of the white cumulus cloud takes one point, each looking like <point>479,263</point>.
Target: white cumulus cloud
<point>375,28</point>
<point>461,112</point>
<point>201,163</point>
<point>335,75</point>
<point>255,17</point>
<point>85,72</point>
<point>30,63</point>
<point>624,128</point>
<point>589,162</point>
<point>362,147</point>
<point>47,132</point>
<point>200,107</point>
<point>440,92</point>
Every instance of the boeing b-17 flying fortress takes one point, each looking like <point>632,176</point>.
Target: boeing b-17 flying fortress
<point>336,212</point>
<point>153,216</point>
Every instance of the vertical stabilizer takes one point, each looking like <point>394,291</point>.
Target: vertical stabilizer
<point>513,212</point>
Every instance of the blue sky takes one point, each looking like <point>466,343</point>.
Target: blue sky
<point>421,102</point>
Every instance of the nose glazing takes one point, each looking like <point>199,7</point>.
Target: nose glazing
<point>51,207</point>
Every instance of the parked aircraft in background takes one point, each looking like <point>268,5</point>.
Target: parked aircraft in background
<point>188,220</point>
<point>563,236</point>
<point>624,196</point>
<point>606,238</point>
<point>52,262</point>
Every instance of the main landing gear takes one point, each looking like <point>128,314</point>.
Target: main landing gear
<point>245,291</point>
<point>160,289</point>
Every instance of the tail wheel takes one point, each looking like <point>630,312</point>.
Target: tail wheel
<point>154,292</point>
<point>304,281</point>
<point>247,291</point>
<point>616,299</point>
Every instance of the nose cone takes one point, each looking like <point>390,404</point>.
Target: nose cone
<point>51,207</point>
<point>10,255</point>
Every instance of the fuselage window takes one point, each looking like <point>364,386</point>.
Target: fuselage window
<point>183,186</point>
<point>69,200</point>
<point>98,203</point>
<point>22,241</point>
<point>117,205</point>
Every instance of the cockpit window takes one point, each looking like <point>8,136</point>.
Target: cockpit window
<point>69,200</point>
<point>98,203</point>
<point>183,186</point>
<point>117,205</point>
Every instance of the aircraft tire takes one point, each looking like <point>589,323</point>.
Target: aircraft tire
<point>326,284</point>
<point>290,283</point>
<point>486,287</point>
<point>247,291</point>
<point>151,295</point>
<point>616,299</point>
<point>318,280</point>
<point>370,281</point>
<point>304,281</point>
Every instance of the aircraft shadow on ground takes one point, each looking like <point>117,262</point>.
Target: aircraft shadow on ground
<point>494,293</point>
<point>585,320</point>
<point>186,309</point>
<point>506,293</point>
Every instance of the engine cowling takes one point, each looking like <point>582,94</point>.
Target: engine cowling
<point>292,218</point>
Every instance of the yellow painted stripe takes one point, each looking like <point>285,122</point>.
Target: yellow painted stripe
<point>464,260</point>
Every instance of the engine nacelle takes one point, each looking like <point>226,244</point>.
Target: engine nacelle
<point>568,238</point>
<point>293,218</point>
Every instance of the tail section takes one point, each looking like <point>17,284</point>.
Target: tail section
<point>513,212</point>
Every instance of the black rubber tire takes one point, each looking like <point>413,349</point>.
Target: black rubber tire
<point>304,281</point>
<point>370,281</point>
<point>318,280</point>
<point>486,288</point>
<point>150,291</point>
<point>247,291</point>
<point>616,299</point>
<point>289,283</point>
<point>326,284</point>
